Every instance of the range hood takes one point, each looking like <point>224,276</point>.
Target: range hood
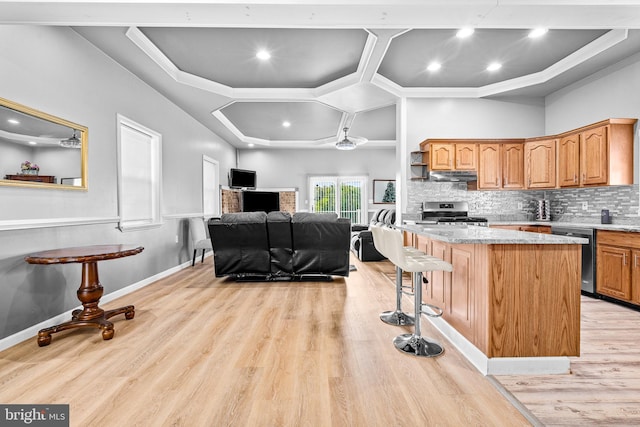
<point>453,176</point>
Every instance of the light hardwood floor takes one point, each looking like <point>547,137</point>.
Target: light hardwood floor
<point>604,385</point>
<point>208,352</point>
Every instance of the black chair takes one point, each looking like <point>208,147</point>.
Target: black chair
<point>362,239</point>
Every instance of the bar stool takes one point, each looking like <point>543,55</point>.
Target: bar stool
<point>414,343</point>
<point>392,317</point>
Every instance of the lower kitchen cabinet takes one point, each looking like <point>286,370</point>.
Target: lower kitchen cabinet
<point>618,265</point>
<point>452,292</point>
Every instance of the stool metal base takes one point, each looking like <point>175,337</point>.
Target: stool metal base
<point>417,346</point>
<point>397,318</point>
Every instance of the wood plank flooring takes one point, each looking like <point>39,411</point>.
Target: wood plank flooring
<point>604,385</point>
<point>203,351</point>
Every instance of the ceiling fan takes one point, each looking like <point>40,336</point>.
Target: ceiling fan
<point>350,142</point>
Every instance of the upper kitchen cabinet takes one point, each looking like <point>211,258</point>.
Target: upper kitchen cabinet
<point>513,166</point>
<point>501,165</point>
<point>569,161</point>
<point>451,155</point>
<point>540,163</point>
<point>598,154</point>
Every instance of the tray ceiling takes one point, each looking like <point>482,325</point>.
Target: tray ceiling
<point>334,66</point>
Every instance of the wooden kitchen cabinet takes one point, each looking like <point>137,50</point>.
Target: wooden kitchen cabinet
<point>540,163</point>
<point>594,163</point>
<point>618,265</point>
<point>489,167</point>
<point>466,157</point>
<point>569,161</point>
<point>500,166</point>
<point>453,292</point>
<point>441,156</point>
<point>597,154</point>
<point>452,156</point>
<point>513,166</point>
<point>546,229</point>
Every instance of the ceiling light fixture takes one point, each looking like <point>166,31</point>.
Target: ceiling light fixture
<point>349,143</point>
<point>434,66</point>
<point>463,33</point>
<point>263,55</point>
<point>286,124</point>
<point>251,145</point>
<point>72,142</point>
<point>537,32</point>
<point>32,143</point>
<point>494,66</point>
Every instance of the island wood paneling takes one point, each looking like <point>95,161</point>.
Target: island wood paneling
<point>534,300</point>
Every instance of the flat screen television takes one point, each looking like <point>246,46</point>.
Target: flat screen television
<point>242,178</point>
<point>260,201</point>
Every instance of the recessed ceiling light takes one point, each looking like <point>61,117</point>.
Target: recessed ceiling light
<point>250,145</point>
<point>434,66</point>
<point>263,55</point>
<point>494,66</point>
<point>464,32</point>
<point>13,121</point>
<point>286,124</point>
<point>33,143</point>
<point>537,32</point>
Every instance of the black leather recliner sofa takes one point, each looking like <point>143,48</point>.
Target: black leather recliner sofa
<point>362,239</point>
<point>279,246</point>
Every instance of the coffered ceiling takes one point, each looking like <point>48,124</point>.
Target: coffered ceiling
<point>338,64</point>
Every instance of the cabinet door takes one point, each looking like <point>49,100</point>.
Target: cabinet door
<point>513,166</point>
<point>594,156</point>
<point>441,156</point>
<point>460,299</point>
<point>614,272</point>
<point>635,276</point>
<point>540,164</point>
<point>569,161</point>
<point>466,157</point>
<point>438,280</point>
<point>489,167</point>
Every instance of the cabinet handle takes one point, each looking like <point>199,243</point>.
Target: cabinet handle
<point>584,177</point>
<point>635,260</point>
<point>575,177</point>
<point>624,259</point>
<point>496,180</point>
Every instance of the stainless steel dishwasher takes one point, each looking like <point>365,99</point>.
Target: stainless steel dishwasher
<point>588,286</point>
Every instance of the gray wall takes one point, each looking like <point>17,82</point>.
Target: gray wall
<point>55,70</point>
<point>291,168</point>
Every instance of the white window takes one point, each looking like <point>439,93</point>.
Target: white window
<point>210,187</point>
<point>344,195</point>
<point>139,175</point>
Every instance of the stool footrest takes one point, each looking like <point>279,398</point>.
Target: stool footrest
<point>438,310</point>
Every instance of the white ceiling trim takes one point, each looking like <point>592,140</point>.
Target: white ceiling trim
<point>601,44</point>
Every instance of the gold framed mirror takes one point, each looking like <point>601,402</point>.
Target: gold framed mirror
<point>40,150</point>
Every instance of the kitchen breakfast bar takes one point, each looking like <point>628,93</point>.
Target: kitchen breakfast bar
<point>512,303</point>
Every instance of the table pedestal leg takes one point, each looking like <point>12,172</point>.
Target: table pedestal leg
<point>91,315</point>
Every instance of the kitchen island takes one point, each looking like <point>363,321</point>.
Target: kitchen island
<point>512,302</point>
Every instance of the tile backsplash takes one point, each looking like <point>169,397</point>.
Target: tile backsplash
<point>567,205</point>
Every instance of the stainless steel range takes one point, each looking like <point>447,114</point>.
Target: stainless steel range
<point>449,213</point>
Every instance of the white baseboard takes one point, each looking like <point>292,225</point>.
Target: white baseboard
<point>500,365</point>
<point>32,332</point>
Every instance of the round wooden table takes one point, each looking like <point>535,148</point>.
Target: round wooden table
<point>90,290</point>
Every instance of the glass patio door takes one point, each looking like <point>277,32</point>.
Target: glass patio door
<point>344,195</point>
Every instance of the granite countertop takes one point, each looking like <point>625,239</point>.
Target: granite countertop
<point>484,235</point>
<point>595,226</point>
